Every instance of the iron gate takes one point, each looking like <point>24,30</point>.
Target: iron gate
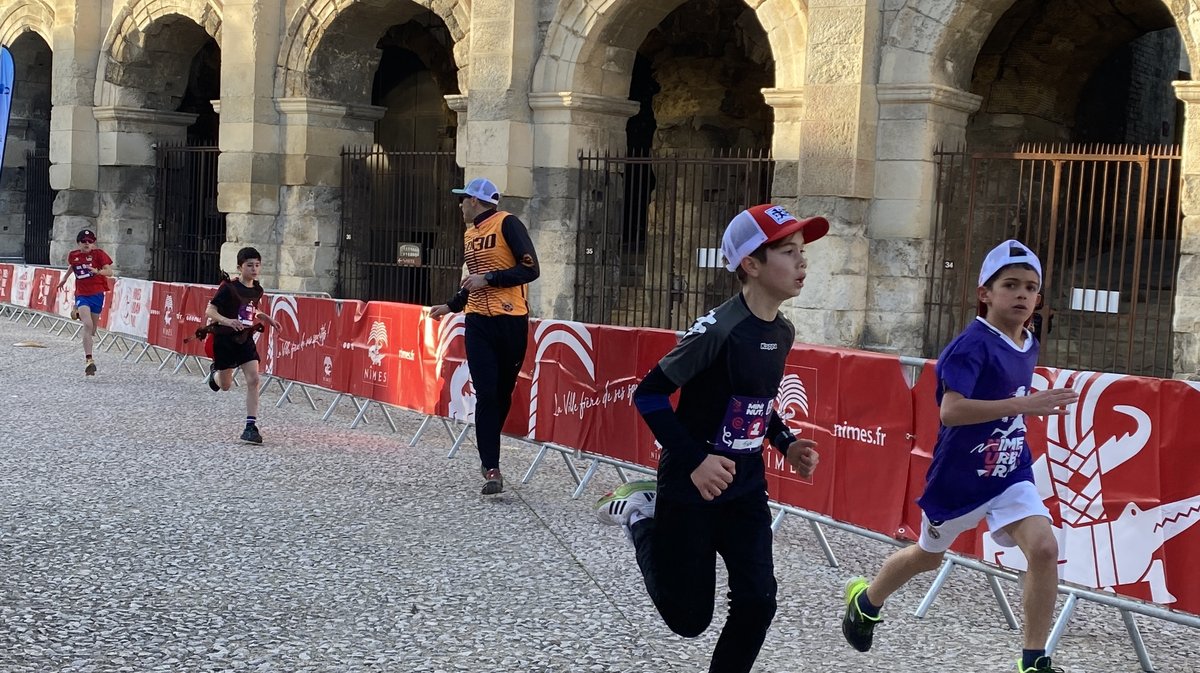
<point>1105,221</point>
<point>188,228</point>
<point>39,207</point>
<point>402,229</point>
<point>650,233</point>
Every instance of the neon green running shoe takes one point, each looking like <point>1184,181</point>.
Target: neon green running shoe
<point>857,627</point>
<point>1042,665</point>
<point>618,505</point>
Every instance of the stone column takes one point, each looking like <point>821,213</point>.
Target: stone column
<point>1186,325</point>
<point>248,171</point>
<point>913,120</point>
<point>836,167</point>
<point>788,105</point>
<point>73,144</point>
<point>565,124</point>
<point>313,134</point>
<point>125,146</point>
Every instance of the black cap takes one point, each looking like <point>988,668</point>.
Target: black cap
<point>86,234</point>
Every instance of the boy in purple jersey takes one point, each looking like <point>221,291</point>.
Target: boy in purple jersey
<point>981,463</point>
<point>711,493</point>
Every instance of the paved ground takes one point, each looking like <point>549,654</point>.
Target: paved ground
<point>137,534</point>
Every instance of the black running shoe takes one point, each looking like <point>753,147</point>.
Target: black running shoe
<point>250,435</point>
<point>494,482</point>
<point>90,369</point>
<point>211,379</point>
<point>857,627</point>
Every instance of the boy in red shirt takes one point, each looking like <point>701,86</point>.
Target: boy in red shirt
<point>90,265</point>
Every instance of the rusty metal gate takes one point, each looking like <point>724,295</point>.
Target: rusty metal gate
<point>188,228</point>
<point>39,207</point>
<point>402,229</point>
<point>1106,223</point>
<point>650,230</point>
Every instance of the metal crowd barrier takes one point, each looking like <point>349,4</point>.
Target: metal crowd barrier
<point>458,433</point>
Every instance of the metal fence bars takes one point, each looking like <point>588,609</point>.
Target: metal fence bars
<point>401,228</point>
<point>650,230</point>
<point>39,207</point>
<point>1105,221</point>
<point>188,228</point>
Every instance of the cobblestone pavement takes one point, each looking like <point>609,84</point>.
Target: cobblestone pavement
<point>137,534</point>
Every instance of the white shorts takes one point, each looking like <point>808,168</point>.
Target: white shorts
<point>1019,501</point>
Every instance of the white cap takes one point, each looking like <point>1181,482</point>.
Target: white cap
<point>1011,251</point>
<point>482,189</point>
<point>759,225</point>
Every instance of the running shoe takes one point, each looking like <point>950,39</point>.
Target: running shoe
<point>618,505</point>
<point>90,369</point>
<point>1042,665</point>
<point>857,627</point>
<point>251,435</point>
<point>494,482</point>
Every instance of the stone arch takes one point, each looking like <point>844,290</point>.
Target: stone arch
<point>586,39</point>
<point>28,16</point>
<point>136,30</point>
<point>941,47</point>
<point>353,27</point>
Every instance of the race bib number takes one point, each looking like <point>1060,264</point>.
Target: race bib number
<point>745,424</point>
<point>246,314</point>
<point>83,271</point>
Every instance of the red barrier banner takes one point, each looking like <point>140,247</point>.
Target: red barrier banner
<point>652,345</point>
<point>414,366</point>
<point>22,285</point>
<point>45,289</point>
<point>808,394</point>
<point>64,300</point>
<point>377,337</point>
<point>193,316</point>
<point>457,395</point>
<point>166,312</point>
<point>7,273</point>
<point>129,307</point>
<point>1178,534</point>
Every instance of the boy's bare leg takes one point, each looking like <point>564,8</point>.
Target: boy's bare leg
<point>898,569</point>
<point>225,379</point>
<point>89,329</point>
<point>250,372</point>
<point>1036,539</point>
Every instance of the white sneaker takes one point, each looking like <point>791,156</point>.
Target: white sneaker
<point>636,497</point>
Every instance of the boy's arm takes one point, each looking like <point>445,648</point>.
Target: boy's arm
<point>959,410</point>
<point>526,269</point>
<point>653,401</point>
<point>779,433</point>
<point>214,315</point>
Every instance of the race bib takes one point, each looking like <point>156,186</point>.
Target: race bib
<point>83,271</point>
<point>246,314</point>
<point>745,424</point>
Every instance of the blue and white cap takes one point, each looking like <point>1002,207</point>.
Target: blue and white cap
<point>1011,251</point>
<point>482,189</point>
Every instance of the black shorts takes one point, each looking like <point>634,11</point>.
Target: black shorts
<point>229,353</point>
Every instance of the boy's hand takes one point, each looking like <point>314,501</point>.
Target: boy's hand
<point>803,457</point>
<point>713,476</point>
<point>234,324</point>
<point>1049,402</point>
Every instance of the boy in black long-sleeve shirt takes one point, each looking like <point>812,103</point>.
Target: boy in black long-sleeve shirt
<point>710,497</point>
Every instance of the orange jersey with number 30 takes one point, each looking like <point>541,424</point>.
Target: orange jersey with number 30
<point>486,250</point>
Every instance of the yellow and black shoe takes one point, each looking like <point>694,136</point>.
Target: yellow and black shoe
<point>1041,665</point>
<point>857,627</point>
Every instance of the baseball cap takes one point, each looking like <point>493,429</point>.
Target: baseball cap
<point>763,224</point>
<point>1011,251</point>
<point>85,236</point>
<point>482,189</point>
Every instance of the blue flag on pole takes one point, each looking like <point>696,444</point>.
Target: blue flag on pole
<point>6,91</point>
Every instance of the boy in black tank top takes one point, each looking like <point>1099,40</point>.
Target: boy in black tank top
<point>710,497</point>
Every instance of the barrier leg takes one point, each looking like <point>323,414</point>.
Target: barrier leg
<point>1135,637</point>
<point>1002,603</point>
<point>332,405</point>
<point>421,430</point>
<point>537,461</point>
<point>927,602</point>
<point>824,542</point>
<point>362,412</point>
<point>587,477</point>
<point>1060,624</point>
<point>285,397</point>
<point>458,441</point>
<point>571,468</point>
<point>621,474</point>
<point>311,402</point>
<point>387,415</point>
<point>778,520</point>
<point>181,365</point>
<point>165,360</point>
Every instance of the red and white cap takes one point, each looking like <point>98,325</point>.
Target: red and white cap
<point>760,225</point>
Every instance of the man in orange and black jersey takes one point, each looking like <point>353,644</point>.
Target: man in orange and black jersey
<point>501,262</point>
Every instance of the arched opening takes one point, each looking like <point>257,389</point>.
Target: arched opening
<point>401,232</point>
<point>1083,91</point>
<point>697,152</point>
<point>159,176</point>
<point>28,217</point>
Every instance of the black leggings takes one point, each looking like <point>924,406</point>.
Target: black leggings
<point>677,550</point>
<point>495,351</point>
